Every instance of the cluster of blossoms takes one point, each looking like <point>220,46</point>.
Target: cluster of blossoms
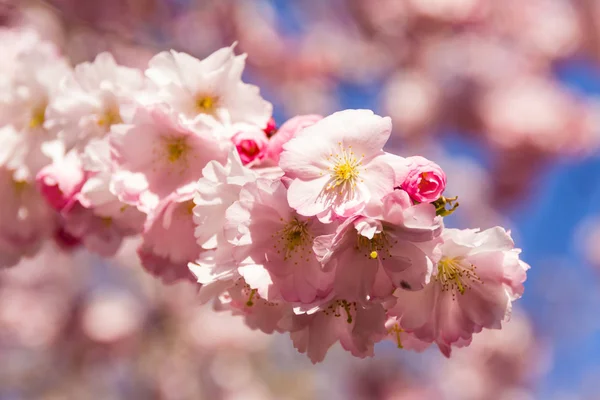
<point>311,229</point>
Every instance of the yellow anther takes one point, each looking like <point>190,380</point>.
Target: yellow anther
<point>176,149</point>
<point>206,104</point>
<point>110,117</point>
<point>38,116</point>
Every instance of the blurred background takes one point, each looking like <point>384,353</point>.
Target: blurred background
<point>504,95</point>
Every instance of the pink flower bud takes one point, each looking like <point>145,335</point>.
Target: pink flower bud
<point>425,181</point>
<point>271,128</point>
<point>287,131</point>
<point>251,145</point>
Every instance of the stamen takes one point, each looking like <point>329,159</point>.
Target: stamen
<point>250,303</point>
<point>345,168</point>
<point>206,104</point>
<point>107,222</point>
<point>334,309</point>
<point>190,207</point>
<point>109,118</point>
<point>176,148</point>
<point>347,309</point>
<point>378,247</point>
<point>38,116</point>
<point>455,276</point>
<point>345,171</point>
<point>294,240</point>
<point>397,331</point>
<point>19,186</point>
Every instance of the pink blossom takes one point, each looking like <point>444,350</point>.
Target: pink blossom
<point>273,245</point>
<point>216,191</point>
<point>209,89</point>
<point>357,328</point>
<point>25,219</point>
<point>425,181</point>
<point>336,165</point>
<point>61,181</point>
<point>216,271</point>
<point>258,312</point>
<point>372,257</point>
<point>98,191</point>
<point>92,99</point>
<point>168,152</point>
<point>251,145</point>
<point>20,44</point>
<point>99,231</point>
<point>27,145</point>
<point>91,213</point>
<point>477,277</point>
<point>168,241</point>
<point>287,131</point>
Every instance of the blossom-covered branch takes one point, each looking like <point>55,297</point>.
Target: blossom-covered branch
<point>311,229</point>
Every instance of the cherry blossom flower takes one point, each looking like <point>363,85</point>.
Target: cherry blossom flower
<point>357,329</point>
<point>27,145</point>
<point>372,257</point>
<point>92,99</point>
<point>337,165</point>
<point>19,44</point>
<point>90,213</point>
<point>477,277</point>
<point>258,312</point>
<point>101,230</point>
<point>216,271</point>
<point>211,88</point>
<point>273,245</point>
<point>25,219</point>
<point>168,241</point>
<point>168,152</point>
<point>218,189</point>
<point>60,182</point>
<point>220,186</point>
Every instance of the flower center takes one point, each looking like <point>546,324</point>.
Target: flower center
<point>378,247</point>
<point>107,221</point>
<point>206,104</point>
<point>109,118</point>
<point>455,276</point>
<point>19,186</point>
<point>189,207</point>
<point>176,149</point>
<point>38,116</point>
<point>346,169</point>
<point>294,239</point>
